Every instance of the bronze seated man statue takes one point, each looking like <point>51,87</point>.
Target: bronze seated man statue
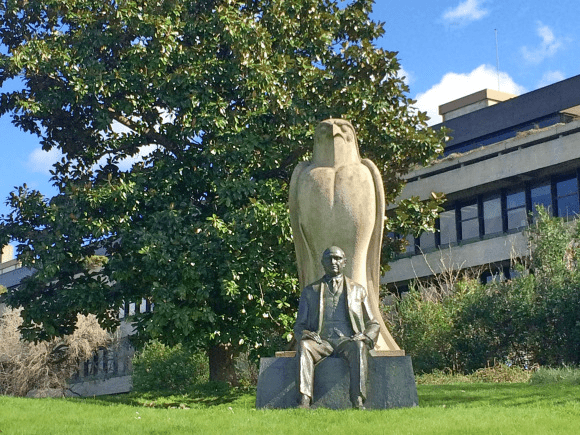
<point>335,318</point>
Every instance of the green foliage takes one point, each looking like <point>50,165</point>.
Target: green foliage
<point>160,368</point>
<point>424,329</point>
<point>3,289</point>
<point>561,375</point>
<point>225,96</point>
<point>494,323</point>
<point>532,319</point>
<point>501,373</point>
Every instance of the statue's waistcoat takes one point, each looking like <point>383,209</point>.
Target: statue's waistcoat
<point>335,318</point>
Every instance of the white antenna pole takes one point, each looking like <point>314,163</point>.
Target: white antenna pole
<point>497,59</point>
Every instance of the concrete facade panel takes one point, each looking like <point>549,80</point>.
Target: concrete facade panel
<point>505,164</point>
<point>458,257</point>
<point>508,114</point>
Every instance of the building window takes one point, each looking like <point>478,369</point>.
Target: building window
<point>499,212</point>
<point>567,197</point>
<point>541,196</point>
<point>427,241</point>
<point>447,228</point>
<point>410,248</point>
<point>469,222</point>
<point>492,222</point>
<point>517,215</point>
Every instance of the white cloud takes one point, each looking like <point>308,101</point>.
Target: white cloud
<point>465,12</point>
<point>550,77</point>
<point>453,86</point>
<point>405,75</point>
<point>549,46</point>
<point>120,128</point>
<point>144,151</point>
<point>128,162</point>
<point>42,161</point>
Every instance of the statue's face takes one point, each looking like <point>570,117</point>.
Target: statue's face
<point>330,131</point>
<point>333,261</point>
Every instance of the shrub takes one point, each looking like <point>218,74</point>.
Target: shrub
<point>495,324</point>
<point>555,247</point>
<point>532,319</point>
<point>423,329</point>
<point>545,375</point>
<point>161,368</point>
<point>26,366</point>
<point>493,374</point>
<point>423,322</point>
<point>247,370</point>
<point>501,373</point>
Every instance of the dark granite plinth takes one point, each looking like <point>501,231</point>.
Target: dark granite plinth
<point>391,383</point>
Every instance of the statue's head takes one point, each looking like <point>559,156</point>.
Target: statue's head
<point>335,143</point>
<point>333,261</point>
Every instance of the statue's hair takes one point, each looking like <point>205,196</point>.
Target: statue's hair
<point>328,251</point>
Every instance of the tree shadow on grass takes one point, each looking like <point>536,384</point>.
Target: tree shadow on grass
<point>434,396</point>
<point>202,395</point>
<point>506,395</point>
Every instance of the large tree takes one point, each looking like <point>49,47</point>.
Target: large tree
<point>225,94</point>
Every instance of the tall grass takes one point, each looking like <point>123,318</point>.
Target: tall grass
<point>499,373</point>
<point>563,375</point>
<point>26,366</point>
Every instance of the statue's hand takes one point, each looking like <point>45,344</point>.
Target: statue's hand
<point>312,336</point>
<point>361,337</point>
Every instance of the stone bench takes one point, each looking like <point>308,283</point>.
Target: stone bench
<point>391,383</point>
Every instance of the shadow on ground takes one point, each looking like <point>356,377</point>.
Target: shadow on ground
<point>430,396</point>
<point>205,395</point>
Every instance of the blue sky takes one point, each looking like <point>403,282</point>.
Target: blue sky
<point>447,49</point>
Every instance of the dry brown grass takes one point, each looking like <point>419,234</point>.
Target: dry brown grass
<point>26,366</point>
<point>498,373</point>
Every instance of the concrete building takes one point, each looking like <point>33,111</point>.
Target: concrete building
<point>507,155</point>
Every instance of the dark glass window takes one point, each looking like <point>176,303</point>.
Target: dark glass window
<point>517,215</point>
<point>469,222</point>
<point>447,228</point>
<point>492,222</point>
<point>410,248</point>
<point>427,241</point>
<point>541,196</point>
<point>567,198</point>
<point>514,273</point>
<point>491,278</point>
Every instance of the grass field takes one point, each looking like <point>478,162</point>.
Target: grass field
<point>477,408</point>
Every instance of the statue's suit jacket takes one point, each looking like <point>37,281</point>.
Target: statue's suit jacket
<point>311,309</point>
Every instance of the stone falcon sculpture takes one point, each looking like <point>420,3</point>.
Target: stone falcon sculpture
<point>338,199</point>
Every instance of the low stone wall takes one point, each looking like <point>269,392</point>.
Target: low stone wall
<point>108,372</point>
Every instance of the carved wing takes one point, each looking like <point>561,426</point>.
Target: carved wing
<point>303,255</point>
<point>374,255</point>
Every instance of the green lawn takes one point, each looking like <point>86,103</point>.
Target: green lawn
<point>444,409</point>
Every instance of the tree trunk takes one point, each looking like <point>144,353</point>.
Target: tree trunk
<point>222,364</point>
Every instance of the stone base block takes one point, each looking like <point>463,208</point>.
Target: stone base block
<point>391,383</point>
